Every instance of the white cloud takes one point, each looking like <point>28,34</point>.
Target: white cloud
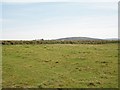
<point>59,0</point>
<point>98,27</point>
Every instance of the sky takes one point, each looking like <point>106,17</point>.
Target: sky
<point>52,20</point>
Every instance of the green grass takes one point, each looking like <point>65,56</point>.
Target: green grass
<point>60,65</point>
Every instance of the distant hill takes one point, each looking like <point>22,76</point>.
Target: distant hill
<point>78,38</point>
<point>112,39</point>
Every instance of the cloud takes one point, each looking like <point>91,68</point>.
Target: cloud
<point>88,26</point>
<point>59,0</point>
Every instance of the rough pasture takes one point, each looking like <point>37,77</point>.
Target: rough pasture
<point>60,65</point>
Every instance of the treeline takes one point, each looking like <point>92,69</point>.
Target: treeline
<point>22,42</point>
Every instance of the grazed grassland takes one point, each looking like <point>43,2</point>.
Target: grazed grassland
<point>60,65</point>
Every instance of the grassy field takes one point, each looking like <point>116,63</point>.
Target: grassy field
<point>60,65</point>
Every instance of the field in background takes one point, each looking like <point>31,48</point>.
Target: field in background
<point>60,65</point>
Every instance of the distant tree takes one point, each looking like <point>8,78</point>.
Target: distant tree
<point>42,39</point>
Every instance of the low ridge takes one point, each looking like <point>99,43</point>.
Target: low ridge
<point>78,38</point>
